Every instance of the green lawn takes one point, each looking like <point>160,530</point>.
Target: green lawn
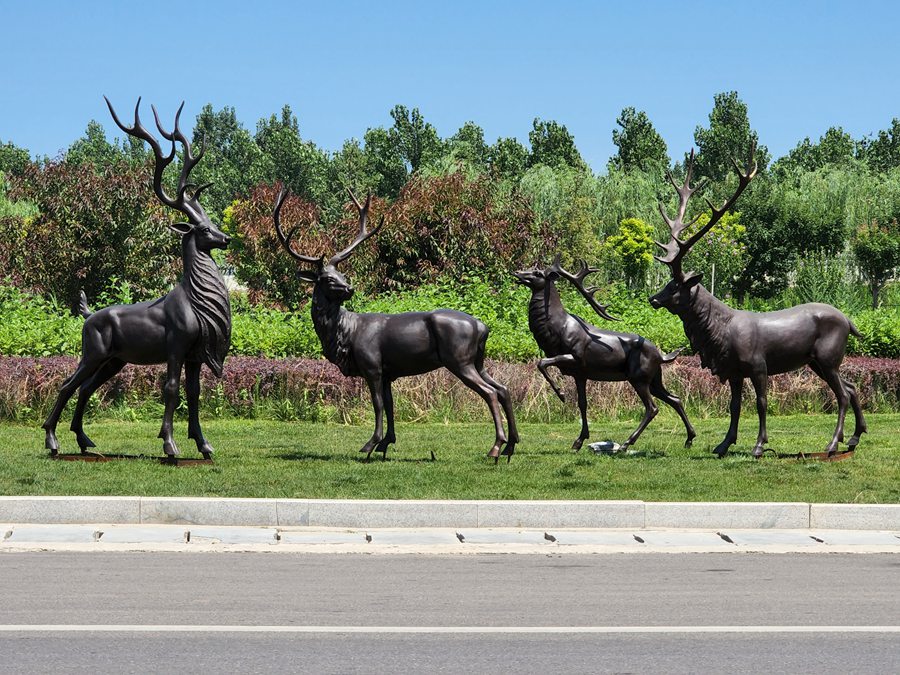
<point>257,458</point>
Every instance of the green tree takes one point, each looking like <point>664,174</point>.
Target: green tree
<point>553,145</point>
<point>876,248</point>
<point>640,145</point>
<point>416,140</point>
<point>882,153</point>
<point>299,164</point>
<point>631,249</point>
<point>720,254</point>
<point>508,158</point>
<point>729,136</point>
<point>233,162</point>
<point>385,163</point>
<point>468,145</point>
<point>836,148</point>
<point>13,159</point>
<point>93,148</point>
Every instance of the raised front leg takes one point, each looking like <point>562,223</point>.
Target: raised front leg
<point>760,380</point>
<point>377,391</point>
<point>557,361</point>
<point>192,389</point>
<point>171,396</point>
<point>737,385</point>
<point>581,387</point>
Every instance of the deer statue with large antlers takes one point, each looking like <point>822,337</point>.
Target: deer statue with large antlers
<point>584,352</point>
<point>736,344</point>
<point>384,347</point>
<point>187,327</point>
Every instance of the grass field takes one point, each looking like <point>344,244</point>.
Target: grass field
<point>257,458</point>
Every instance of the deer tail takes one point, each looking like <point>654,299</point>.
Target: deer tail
<point>83,308</point>
<point>853,329</point>
<point>671,356</point>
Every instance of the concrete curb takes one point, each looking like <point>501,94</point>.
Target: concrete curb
<point>364,513</point>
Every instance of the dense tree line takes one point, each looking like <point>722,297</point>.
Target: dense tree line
<point>461,206</point>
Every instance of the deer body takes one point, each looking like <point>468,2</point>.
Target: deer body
<point>584,352</point>
<point>189,326</point>
<point>384,347</point>
<point>737,344</point>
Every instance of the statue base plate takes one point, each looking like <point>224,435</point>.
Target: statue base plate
<point>97,457</point>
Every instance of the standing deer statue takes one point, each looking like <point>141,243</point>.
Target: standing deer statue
<point>384,347</point>
<point>736,344</point>
<point>584,352</point>
<point>187,327</point>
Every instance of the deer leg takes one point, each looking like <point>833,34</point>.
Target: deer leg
<point>650,411</point>
<point>760,380</point>
<point>103,374</point>
<point>470,377</point>
<point>664,395</point>
<point>543,364</point>
<point>737,385</point>
<point>171,396</point>
<point>833,380</point>
<point>581,386</point>
<point>86,368</point>
<point>389,437</point>
<point>192,390</point>
<point>860,427</point>
<point>506,402</point>
<point>377,391</point>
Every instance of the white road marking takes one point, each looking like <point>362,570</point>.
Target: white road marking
<point>140,628</point>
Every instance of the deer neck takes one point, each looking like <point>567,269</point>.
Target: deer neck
<point>334,326</point>
<point>706,321</point>
<point>546,318</point>
<point>208,297</point>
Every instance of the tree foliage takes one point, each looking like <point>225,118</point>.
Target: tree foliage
<point>640,147</point>
<point>876,248</point>
<point>631,250</point>
<point>728,136</point>
<point>553,145</point>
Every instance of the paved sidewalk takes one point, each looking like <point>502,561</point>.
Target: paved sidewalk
<point>195,538</point>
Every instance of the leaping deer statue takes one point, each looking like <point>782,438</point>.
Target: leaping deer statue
<point>384,347</point>
<point>187,327</point>
<point>584,352</point>
<point>736,344</point>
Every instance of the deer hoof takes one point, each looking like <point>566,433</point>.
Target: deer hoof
<point>852,443</point>
<point>50,443</point>
<point>576,446</point>
<point>509,450</point>
<point>205,449</point>
<point>689,442</point>
<point>170,449</point>
<point>84,443</point>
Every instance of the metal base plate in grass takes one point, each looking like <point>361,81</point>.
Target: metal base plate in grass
<point>817,456</point>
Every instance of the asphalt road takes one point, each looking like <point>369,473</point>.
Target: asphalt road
<point>160,612</point>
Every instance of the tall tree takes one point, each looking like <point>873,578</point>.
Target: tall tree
<point>468,144</point>
<point>233,162</point>
<point>385,162</point>
<point>508,158</point>
<point>836,148</point>
<point>883,152</point>
<point>416,139</point>
<point>640,145</point>
<point>728,136</point>
<point>93,148</point>
<point>553,145</point>
<point>876,248</point>
<point>301,165</point>
<point>13,159</point>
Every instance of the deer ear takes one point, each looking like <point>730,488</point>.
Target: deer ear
<point>308,275</point>
<point>691,279</point>
<point>181,228</point>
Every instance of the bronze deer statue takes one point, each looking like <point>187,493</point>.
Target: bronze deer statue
<point>736,344</point>
<point>187,327</point>
<point>384,347</point>
<point>584,352</point>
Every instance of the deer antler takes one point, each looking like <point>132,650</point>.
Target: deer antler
<point>577,280</point>
<point>363,234</point>
<point>189,206</point>
<point>286,239</point>
<point>675,249</point>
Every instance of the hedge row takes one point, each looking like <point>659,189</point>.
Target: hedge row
<point>32,326</point>
<point>314,389</point>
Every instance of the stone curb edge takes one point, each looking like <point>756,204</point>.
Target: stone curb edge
<point>438,513</point>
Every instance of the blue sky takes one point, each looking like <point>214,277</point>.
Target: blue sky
<point>800,66</point>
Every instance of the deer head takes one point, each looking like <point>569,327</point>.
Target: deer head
<point>537,279</point>
<point>676,295</point>
<point>187,200</point>
<point>324,273</point>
